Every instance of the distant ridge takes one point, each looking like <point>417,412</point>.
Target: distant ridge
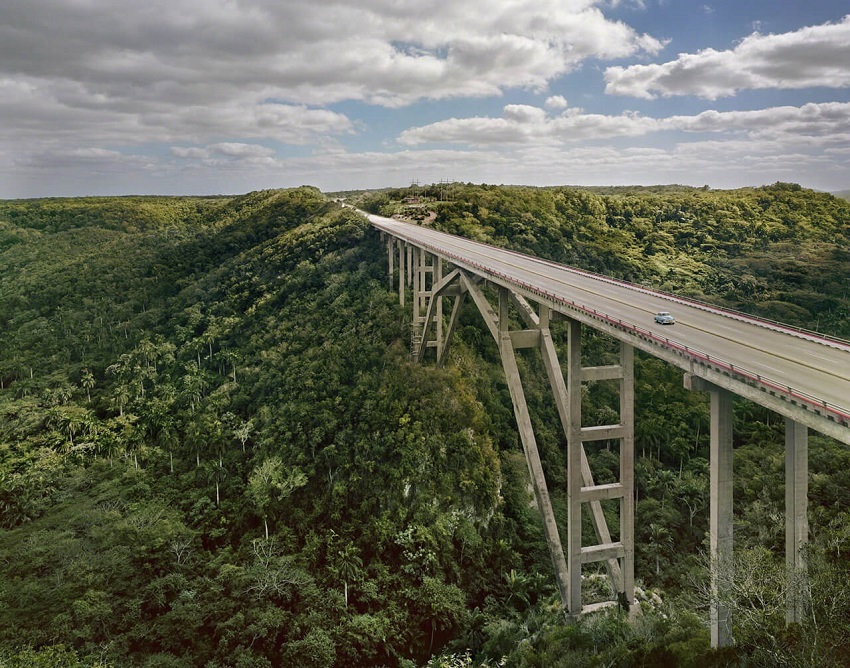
<point>843,194</point>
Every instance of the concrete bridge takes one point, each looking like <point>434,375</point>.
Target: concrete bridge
<point>803,376</point>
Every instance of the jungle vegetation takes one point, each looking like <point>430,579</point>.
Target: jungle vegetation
<point>214,450</point>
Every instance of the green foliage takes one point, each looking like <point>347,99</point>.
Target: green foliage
<point>46,657</point>
<point>241,372</point>
<point>209,423</point>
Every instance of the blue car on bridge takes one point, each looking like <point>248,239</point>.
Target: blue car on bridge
<point>664,318</point>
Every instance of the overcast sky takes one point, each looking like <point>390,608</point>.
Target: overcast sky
<point>105,97</point>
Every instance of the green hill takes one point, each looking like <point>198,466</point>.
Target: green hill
<point>214,450</point>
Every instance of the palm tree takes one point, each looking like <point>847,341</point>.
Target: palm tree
<point>87,381</point>
<point>663,480</point>
<point>692,492</point>
<point>348,565</point>
<point>517,584</point>
<point>659,540</point>
<point>216,473</point>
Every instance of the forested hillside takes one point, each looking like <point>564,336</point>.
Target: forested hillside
<point>215,452</point>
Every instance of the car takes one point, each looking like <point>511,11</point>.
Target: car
<point>664,318</point>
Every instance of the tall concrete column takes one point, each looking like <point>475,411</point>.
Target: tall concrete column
<point>390,259</point>
<point>436,279</point>
<point>627,469</point>
<point>421,281</point>
<point>401,271</point>
<point>416,263</point>
<point>796,518</point>
<point>574,474</point>
<point>720,516</point>
<point>418,286</point>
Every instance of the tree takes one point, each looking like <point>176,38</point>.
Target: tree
<point>660,540</point>
<point>663,480</point>
<point>754,591</point>
<point>88,383</point>
<point>692,491</point>
<point>216,473</point>
<point>160,421</point>
<point>347,565</point>
<point>71,420</point>
<point>517,586</point>
<point>269,483</point>
<point>273,574</point>
<point>242,431</point>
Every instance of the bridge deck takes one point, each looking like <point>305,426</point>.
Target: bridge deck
<point>802,367</point>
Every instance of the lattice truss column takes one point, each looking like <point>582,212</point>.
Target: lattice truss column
<point>432,283</point>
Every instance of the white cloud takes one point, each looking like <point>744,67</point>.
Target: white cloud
<point>809,57</point>
<point>190,152</point>
<point>62,110</point>
<point>86,160</point>
<point>226,150</point>
<point>827,123</point>
<point>93,94</point>
<point>721,163</point>
<point>523,124</point>
<point>77,74</point>
<point>556,102</point>
<point>524,114</point>
<point>305,52</point>
<point>237,150</point>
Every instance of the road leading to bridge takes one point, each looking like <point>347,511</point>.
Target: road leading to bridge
<point>803,364</point>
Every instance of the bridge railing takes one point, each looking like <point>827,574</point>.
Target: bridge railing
<point>801,332</point>
<point>764,383</point>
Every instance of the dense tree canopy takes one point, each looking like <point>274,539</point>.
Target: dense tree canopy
<point>214,450</point>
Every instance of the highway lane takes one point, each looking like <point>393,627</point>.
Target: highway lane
<point>790,359</point>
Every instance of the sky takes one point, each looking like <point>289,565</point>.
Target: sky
<point>195,97</point>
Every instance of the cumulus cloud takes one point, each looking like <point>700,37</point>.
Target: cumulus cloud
<point>815,56</point>
<point>230,150</point>
<point>207,96</point>
<point>185,73</point>
<point>63,110</point>
<point>830,120</point>
<point>524,124</point>
<point>87,161</point>
<point>556,102</point>
<point>302,51</point>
